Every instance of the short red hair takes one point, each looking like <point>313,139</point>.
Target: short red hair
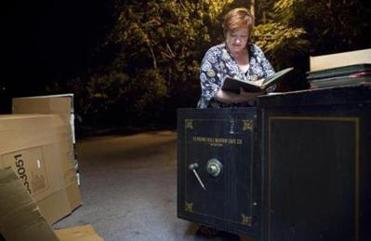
<point>238,18</point>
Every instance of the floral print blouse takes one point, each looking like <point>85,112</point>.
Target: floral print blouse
<point>218,63</point>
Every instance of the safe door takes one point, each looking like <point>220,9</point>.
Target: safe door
<point>217,175</point>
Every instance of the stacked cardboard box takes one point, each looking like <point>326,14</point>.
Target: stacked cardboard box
<point>38,182</point>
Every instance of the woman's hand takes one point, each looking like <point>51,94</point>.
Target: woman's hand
<point>250,96</point>
<point>259,82</point>
<point>229,97</point>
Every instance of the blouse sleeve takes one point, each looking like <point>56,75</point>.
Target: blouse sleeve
<point>209,77</point>
<point>266,65</point>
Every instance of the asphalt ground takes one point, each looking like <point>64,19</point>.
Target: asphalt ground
<point>128,190</point>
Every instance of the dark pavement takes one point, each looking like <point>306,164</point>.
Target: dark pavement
<point>128,188</point>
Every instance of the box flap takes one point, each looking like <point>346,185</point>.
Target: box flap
<point>79,233</point>
<point>20,218</point>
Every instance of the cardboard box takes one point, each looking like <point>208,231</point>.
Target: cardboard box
<point>79,233</point>
<point>48,104</point>
<point>340,59</point>
<point>21,220</point>
<point>38,148</point>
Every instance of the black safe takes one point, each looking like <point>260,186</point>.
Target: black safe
<point>217,177</point>
<point>297,167</point>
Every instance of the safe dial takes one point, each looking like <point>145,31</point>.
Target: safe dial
<point>214,167</point>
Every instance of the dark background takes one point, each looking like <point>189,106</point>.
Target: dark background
<point>45,43</point>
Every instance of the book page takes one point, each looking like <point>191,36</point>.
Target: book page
<point>234,85</point>
<point>276,76</point>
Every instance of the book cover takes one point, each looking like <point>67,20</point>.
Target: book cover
<point>340,71</point>
<point>341,59</point>
<point>234,85</point>
<point>340,81</point>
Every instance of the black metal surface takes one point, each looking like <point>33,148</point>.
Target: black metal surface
<point>230,200</point>
<point>308,152</point>
<point>316,165</point>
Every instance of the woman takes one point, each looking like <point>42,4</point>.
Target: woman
<point>238,57</point>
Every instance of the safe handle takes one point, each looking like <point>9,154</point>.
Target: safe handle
<point>193,168</point>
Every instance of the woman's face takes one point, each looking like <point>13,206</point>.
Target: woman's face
<point>237,40</point>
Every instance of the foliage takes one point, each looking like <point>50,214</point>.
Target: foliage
<point>278,39</point>
<point>157,46</point>
<point>297,29</point>
<point>164,35</point>
<point>332,26</point>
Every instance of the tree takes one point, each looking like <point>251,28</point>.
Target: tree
<point>284,43</point>
<point>158,46</point>
<point>334,26</point>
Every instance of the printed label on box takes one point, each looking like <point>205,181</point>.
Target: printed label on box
<point>30,168</point>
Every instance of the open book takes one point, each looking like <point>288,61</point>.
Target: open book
<point>234,85</point>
